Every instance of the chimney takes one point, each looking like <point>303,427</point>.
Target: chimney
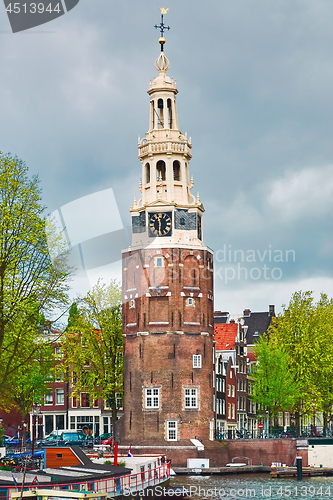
<point>272,310</point>
<point>247,313</point>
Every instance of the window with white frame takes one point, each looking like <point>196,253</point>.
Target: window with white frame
<point>229,410</point>
<point>132,303</point>
<point>229,390</point>
<point>191,398</point>
<point>233,411</point>
<point>152,398</point>
<point>190,301</point>
<point>280,419</point>
<point>172,430</point>
<point>57,352</point>
<point>119,400</point>
<point>196,360</point>
<point>48,399</point>
<point>287,418</point>
<point>223,406</point>
<point>60,396</point>
<point>232,391</point>
<point>159,262</point>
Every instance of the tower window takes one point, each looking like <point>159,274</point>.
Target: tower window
<point>172,430</point>
<point>132,303</point>
<point>160,113</point>
<point>160,171</point>
<point>152,114</point>
<point>190,301</point>
<point>152,398</point>
<point>159,262</point>
<point>176,171</point>
<point>169,104</point>
<point>196,360</point>
<point>182,221</point>
<point>191,398</point>
<point>147,173</point>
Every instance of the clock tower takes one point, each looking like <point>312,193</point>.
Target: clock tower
<point>167,287</point>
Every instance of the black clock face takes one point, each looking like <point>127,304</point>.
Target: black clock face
<point>160,224</point>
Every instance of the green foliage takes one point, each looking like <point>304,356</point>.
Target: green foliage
<point>31,284</point>
<point>93,349</point>
<point>300,341</point>
<point>72,317</point>
<point>275,388</point>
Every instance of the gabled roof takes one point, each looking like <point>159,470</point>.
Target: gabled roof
<point>225,335</point>
<point>257,323</point>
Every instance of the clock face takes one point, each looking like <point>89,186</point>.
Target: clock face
<point>160,224</point>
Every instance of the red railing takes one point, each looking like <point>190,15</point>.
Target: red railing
<point>115,485</point>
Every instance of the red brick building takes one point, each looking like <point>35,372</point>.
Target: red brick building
<point>167,289</point>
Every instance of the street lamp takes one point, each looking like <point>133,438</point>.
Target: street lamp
<point>314,417</point>
<point>35,413</point>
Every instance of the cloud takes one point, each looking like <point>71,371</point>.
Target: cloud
<point>304,194</point>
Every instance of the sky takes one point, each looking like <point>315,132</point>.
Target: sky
<point>255,81</point>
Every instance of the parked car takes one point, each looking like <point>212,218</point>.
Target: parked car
<point>16,441</point>
<point>65,438</point>
<point>102,437</point>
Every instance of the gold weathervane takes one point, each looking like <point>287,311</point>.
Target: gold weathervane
<point>162,27</point>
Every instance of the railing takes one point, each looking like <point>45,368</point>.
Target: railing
<point>115,486</point>
<point>165,146</point>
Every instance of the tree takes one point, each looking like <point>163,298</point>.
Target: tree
<point>275,388</point>
<point>72,317</point>
<point>304,331</point>
<point>93,349</point>
<point>29,384</point>
<point>31,282</point>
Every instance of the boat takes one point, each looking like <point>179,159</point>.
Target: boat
<point>69,470</point>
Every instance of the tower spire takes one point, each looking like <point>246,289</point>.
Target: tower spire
<point>162,27</point>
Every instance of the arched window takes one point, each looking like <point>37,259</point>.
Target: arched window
<point>160,113</point>
<point>186,173</point>
<point>152,114</point>
<point>160,171</point>
<point>147,173</point>
<point>169,104</point>
<point>176,171</point>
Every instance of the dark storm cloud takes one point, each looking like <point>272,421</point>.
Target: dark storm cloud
<point>254,80</point>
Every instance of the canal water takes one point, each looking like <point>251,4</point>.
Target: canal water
<point>258,486</point>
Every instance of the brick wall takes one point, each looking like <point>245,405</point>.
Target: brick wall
<point>167,316</point>
<point>263,451</point>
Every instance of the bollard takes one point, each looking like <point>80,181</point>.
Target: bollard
<point>299,468</point>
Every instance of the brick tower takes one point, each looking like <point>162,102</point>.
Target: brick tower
<point>167,288</point>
